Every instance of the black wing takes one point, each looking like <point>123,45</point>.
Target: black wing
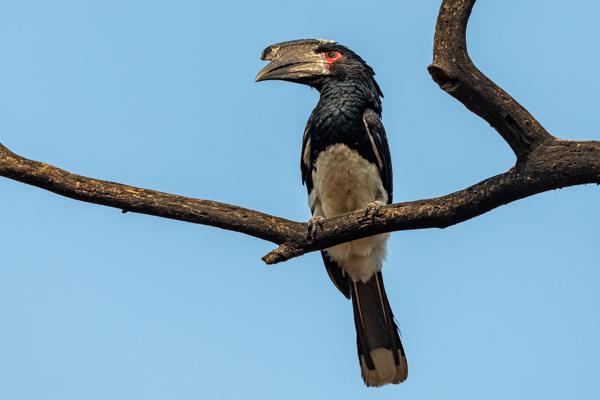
<point>306,157</point>
<point>378,140</point>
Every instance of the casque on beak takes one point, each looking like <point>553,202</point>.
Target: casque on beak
<point>293,61</point>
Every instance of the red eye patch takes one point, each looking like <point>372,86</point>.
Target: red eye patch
<point>332,56</point>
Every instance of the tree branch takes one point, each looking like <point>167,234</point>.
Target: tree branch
<point>562,164</point>
<point>456,74</point>
<point>544,163</point>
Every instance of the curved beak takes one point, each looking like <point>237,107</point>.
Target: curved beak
<point>289,70</point>
<point>292,61</point>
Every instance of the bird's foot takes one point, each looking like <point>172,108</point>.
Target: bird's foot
<point>372,209</point>
<point>313,223</point>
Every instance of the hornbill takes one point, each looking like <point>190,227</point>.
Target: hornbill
<point>346,165</point>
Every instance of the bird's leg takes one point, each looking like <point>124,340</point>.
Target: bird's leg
<point>313,223</point>
<point>372,209</point>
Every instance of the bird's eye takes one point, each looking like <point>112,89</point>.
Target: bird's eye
<point>332,56</point>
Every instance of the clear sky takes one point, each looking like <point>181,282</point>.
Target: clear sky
<point>96,304</point>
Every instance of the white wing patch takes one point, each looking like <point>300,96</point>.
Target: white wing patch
<point>306,154</point>
<point>379,160</point>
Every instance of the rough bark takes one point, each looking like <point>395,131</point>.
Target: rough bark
<point>544,163</point>
<point>456,74</point>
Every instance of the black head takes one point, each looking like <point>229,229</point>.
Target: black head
<point>313,62</point>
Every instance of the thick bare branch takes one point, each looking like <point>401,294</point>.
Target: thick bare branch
<point>456,74</point>
<point>144,201</point>
<point>558,165</point>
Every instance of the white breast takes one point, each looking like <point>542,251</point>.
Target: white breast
<point>344,181</point>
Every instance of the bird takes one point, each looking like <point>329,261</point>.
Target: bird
<point>346,165</point>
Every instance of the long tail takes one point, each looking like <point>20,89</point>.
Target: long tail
<point>380,352</point>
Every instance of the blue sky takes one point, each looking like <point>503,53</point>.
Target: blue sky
<point>96,304</point>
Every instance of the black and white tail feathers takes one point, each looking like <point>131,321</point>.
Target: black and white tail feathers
<point>380,352</point>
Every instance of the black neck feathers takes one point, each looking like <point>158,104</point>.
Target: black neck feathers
<point>338,116</point>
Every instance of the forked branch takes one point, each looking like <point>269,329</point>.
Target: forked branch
<point>456,74</point>
<point>544,163</point>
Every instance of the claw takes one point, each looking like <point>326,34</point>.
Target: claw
<point>313,223</point>
<point>373,209</point>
